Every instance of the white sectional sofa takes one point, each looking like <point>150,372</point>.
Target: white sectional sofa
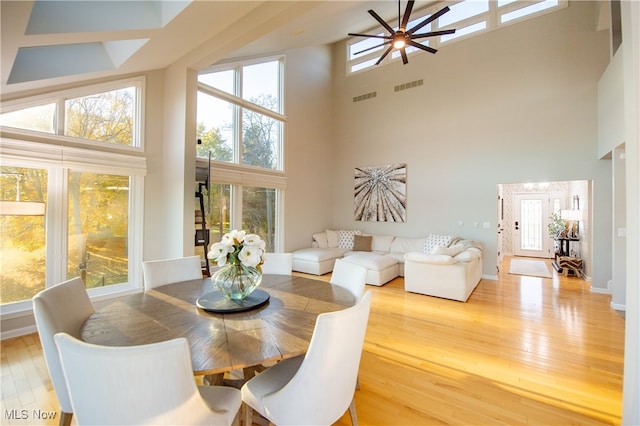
<point>451,273</point>
<point>383,256</point>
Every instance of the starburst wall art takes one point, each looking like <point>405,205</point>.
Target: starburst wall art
<point>380,193</point>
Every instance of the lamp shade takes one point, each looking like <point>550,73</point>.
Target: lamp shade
<point>572,215</point>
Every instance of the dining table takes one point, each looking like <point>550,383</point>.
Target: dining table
<point>280,328</point>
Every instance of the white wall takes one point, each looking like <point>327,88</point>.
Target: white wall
<point>514,105</point>
<point>308,155</point>
<point>631,47</point>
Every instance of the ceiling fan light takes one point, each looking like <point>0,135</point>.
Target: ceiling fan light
<point>398,43</point>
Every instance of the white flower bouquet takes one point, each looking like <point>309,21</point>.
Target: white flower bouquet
<point>239,248</point>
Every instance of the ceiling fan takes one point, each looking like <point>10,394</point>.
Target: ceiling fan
<point>404,37</point>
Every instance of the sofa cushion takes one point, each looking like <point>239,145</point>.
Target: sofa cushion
<point>434,240</point>
<point>371,261</point>
<point>430,258</point>
<point>321,239</point>
<point>332,238</point>
<point>382,243</point>
<point>468,255</point>
<point>449,251</point>
<point>345,239</point>
<point>318,254</point>
<point>362,242</point>
<point>405,245</point>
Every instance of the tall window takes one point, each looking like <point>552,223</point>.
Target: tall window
<point>240,123</point>
<point>240,117</point>
<point>23,242</point>
<point>71,211</point>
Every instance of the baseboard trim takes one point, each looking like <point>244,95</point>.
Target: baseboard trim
<point>17,332</point>
<point>600,290</point>
<point>618,307</point>
<point>490,277</point>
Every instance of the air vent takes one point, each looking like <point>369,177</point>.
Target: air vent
<point>409,85</point>
<point>365,97</point>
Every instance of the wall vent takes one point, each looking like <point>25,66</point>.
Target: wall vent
<point>409,85</point>
<point>365,97</point>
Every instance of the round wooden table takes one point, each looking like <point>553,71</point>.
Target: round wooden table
<point>282,328</point>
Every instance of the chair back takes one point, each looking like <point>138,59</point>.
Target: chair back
<point>277,263</point>
<point>350,276</point>
<point>145,384</point>
<point>167,271</point>
<point>323,387</point>
<point>61,308</point>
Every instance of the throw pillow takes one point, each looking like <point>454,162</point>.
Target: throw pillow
<point>332,238</point>
<point>345,239</point>
<point>434,240</point>
<point>362,242</point>
<point>450,251</point>
<point>321,239</point>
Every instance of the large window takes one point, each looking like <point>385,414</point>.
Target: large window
<point>240,123</point>
<point>468,17</point>
<point>108,113</point>
<point>240,115</point>
<point>67,210</point>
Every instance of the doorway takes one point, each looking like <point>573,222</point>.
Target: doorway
<point>559,196</point>
<point>531,217</point>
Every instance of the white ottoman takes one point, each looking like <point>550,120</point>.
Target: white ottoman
<point>380,269</point>
<point>317,261</point>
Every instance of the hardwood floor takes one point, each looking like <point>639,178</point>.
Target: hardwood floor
<point>522,350</point>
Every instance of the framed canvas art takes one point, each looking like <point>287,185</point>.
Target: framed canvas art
<point>380,193</point>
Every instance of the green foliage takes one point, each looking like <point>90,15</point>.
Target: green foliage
<point>556,225</point>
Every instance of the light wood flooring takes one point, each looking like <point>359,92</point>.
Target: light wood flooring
<point>522,350</point>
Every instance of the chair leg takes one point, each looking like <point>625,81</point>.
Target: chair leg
<point>247,412</point>
<point>65,418</point>
<point>357,384</point>
<point>352,412</point>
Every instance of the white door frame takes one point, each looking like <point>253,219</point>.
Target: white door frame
<point>546,242</point>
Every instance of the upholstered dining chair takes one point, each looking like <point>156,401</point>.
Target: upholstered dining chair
<point>318,387</point>
<point>277,263</point>
<point>350,276</point>
<point>145,384</point>
<point>61,308</point>
<point>167,271</point>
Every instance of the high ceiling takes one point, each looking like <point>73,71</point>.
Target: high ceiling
<point>46,43</point>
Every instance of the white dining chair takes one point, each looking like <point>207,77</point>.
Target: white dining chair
<point>277,263</point>
<point>145,384</point>
<point>349,276</point>
<point>318,387</point>
<point>61,308</point>
<point>167,271</point>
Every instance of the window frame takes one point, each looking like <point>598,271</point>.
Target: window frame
<point>59,98</point>
<point>58,161</point>
<point>240,104</point>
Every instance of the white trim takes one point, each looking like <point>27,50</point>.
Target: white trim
<point>17,332</point>
<point>599,290</point>
<point>490,277</point>
<point>618,307</point>
<point>42,155</point>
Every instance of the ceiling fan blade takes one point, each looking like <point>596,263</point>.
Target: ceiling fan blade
<point>421,46</point>
<point>386,52</point>
<point>381,21</point>
<point>429,19</point>
<point>433,33</point>
<point>403,53</point>
<point>371,48</point>
<point>407,14</point>
<point>369,35</point>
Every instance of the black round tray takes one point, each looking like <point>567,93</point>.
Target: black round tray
<point>217,303</point>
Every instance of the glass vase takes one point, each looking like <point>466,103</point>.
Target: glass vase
<point>236,281</point>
